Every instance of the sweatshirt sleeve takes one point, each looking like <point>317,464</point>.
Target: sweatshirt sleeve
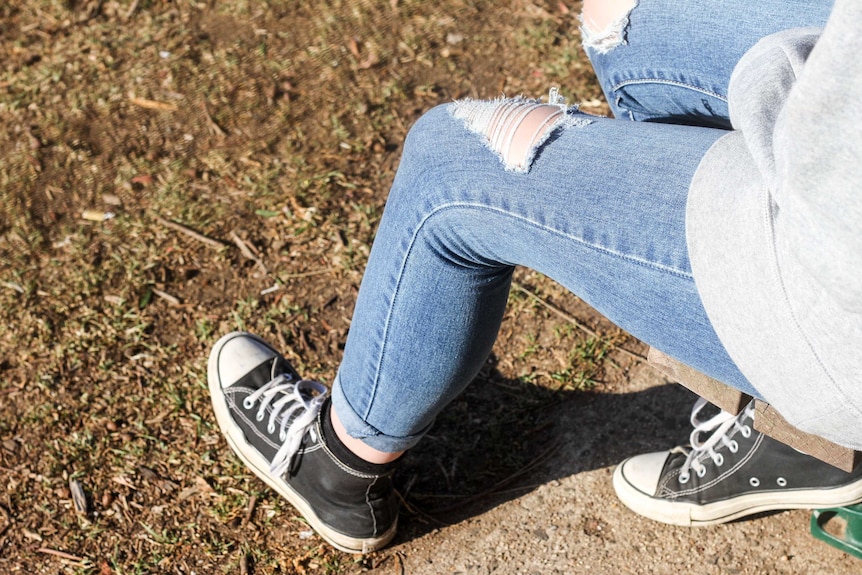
<point>759,88</point>
<point>817,146</point>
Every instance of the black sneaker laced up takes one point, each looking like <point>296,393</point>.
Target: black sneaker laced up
<point>723,426</point>
<point>295,405</point>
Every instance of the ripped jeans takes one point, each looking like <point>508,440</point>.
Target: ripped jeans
<point>597,204</point>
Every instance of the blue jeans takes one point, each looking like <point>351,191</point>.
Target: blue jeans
<point>599,207</point>
<point>678,56</point>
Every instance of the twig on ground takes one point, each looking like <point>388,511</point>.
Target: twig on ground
<point>570,318</point>
<point>189,232</point>
<point>62,555</point>
<point>214,128</point>
<point>307,274</point>
<point>7,520</point>
<point>166,296</point>
<point>249,509</point>
<point>131,10</point>
<point>416,511</point>
<point>246,252</point>
<point>496,488</point>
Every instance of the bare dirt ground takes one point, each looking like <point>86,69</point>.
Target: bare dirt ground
<point>173,170</point>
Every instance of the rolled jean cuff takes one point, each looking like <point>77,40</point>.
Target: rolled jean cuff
<point>357,427</point>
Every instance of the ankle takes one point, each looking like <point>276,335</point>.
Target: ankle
<point>357,447</point>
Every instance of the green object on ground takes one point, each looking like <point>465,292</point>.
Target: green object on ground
<point>840,527</point>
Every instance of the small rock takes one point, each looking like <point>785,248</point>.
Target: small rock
<point>454,38</point>
<point>112,426</point>
<point>541,534</point>
<point>593,526</point>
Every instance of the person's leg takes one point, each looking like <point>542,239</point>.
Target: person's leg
<point>600,209</point>
<point>670,60</point>
<point>595,203</point>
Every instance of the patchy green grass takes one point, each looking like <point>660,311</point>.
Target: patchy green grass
<point>148,147</point>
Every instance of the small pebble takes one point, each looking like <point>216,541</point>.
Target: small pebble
<point>125,437</point>
<point>112,426</point>
<point>107,499</point>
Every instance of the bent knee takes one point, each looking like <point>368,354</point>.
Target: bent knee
<point>515,128</point>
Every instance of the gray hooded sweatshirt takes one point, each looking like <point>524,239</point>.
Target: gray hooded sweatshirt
<point>774,225</point>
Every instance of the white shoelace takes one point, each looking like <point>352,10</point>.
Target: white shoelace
<point>300,400</point>
<point>723,427</point>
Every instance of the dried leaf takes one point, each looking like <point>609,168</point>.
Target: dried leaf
<point>124,481</point>
<point>143,179</point>
<point>96,215</point>
<point>79,498</point>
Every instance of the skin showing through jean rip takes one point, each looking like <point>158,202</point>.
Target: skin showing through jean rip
<point>515,128</point>
<point>603,23</point>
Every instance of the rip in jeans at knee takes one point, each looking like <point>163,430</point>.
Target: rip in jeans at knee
<point>610,35</point>
<point>516,128</point>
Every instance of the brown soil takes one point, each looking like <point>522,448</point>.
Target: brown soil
<point>173,170</point>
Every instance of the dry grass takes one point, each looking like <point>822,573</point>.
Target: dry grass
<point>232,160</point>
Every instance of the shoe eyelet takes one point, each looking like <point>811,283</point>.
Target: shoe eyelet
<point>746,432</point>
<point>733,447</point>
<point>247,403</point>
<point>270,429</point>
<point>719,459</point>
<point>701,472</point>
<point>781,482</point>
<point>259,416</point>
<point>755,482</point>
<point>683,478</point>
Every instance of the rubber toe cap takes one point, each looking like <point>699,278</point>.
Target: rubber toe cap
<point>238,353</point>
<point>642,472</point>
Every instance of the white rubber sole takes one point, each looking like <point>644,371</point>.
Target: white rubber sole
<point>691,515</point>
<point>260,466</point>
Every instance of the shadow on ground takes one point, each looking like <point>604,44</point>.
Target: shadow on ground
<point>503,438</point>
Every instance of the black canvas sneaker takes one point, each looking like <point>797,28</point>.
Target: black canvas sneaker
<point>735,472</point>
<point>272,419</point>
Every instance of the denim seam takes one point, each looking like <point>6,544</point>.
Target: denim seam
<point>645,263</point>
<point>625,83</point>
<point>480,207</point>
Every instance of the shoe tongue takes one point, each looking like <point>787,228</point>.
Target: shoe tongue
<point>281,366</point>
<point>257,377</point>
<point>675,459</point>
<point>266,372</point>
